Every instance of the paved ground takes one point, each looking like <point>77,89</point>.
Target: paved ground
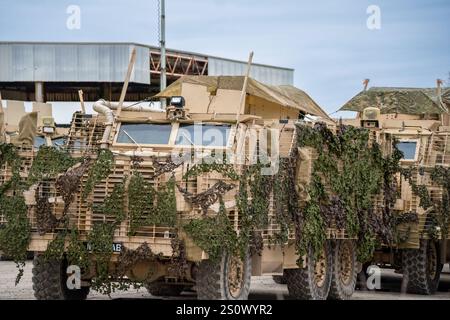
<point>262,288</point>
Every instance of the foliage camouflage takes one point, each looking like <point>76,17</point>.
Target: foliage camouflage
<point>10,157</point>
<point>286,199</point>
<point>99,171</point>
<point>148,206</point>
<point>397,100</point>
<point>347,174</point>
<point>216,235</point>
<point>354,171</point>
<point>439,215</point>
<point>15,233</point>
<point>48,163</point>
<point>205,199</point>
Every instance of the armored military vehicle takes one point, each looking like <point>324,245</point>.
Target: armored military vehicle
<point>234,178</point>
<point>28,131</point>
<point>418,120</point>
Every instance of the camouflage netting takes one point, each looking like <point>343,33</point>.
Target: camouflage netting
<point>287,96</point>
<point>2,126</point>
<point>446,97</point>
<point>28,128</point>
<point>399,100</point>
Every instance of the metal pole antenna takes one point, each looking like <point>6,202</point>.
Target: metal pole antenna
<point>163,44</point>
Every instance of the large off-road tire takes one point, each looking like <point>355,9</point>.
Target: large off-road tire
<point>227,279</point>
<point>159,289</point>
<point>363,276</point>
<point>4,258</point>
<point>344,270</point>
<point>50,281</point>
<point>279,279</point>
<point>422,268</point>
<point>312,282</point>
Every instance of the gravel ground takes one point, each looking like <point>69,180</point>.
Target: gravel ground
<point>263,288</point>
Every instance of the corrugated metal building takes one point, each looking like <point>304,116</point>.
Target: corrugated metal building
<point>71,62</point>
<point>265,74</point>
<point>29,70</point>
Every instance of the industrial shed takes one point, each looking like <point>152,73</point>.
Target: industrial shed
<point>53,71</point>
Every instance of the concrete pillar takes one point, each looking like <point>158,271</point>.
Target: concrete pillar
<point>39,92</point>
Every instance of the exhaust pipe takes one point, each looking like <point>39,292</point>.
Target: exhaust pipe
<point>102,107</point>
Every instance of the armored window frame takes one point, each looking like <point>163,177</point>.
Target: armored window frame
<point>137,143</point>
<point>173,135</point>
<point>416,154</point>
<point>228,142</point>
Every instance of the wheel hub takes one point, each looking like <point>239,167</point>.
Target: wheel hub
<point>432,258</point>
<point>345,265</point>
<point>320,269</point>
<point>235,276</point>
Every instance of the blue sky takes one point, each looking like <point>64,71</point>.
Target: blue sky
<point>327,42</point>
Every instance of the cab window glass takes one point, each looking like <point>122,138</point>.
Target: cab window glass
<point>39,141</point>
<point>143,133</point>
<point>203,135</point>
<point>408,148</point>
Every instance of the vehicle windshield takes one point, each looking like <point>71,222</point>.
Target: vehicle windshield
<point>408,148</point>
<point>143,133</point>
<point>203,135</point>
<point>39,141</point>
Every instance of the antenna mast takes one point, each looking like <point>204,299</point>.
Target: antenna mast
<point>162,43</point>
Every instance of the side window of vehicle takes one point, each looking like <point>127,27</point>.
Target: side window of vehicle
<point>409,149</point>
<point>143,133</point>
<point>203,135</point>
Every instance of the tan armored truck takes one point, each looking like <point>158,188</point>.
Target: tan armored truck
<point>20,127</point>
<point>202,195</point>
<point>418,120</point>
<point>28,131</point>
<point>223,184</point>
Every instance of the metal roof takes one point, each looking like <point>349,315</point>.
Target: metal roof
<point>69,62</point>
<point>284,95</point>
<point>107,62</point>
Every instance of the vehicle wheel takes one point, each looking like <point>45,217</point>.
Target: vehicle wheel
<point>363,276</point>
<point>312,282</point>
<point>4,258</point>
<point>344,270</point>
<point>227,279</point>
<point>422,268</point>
<point>159,289</point>
<point>49,281</point>
<point>279,279</point>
